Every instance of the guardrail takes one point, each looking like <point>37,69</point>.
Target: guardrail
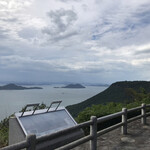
<point>32,143</point>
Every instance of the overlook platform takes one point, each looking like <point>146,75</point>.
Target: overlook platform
<point>138,138</point>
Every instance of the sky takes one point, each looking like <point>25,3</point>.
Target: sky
<point>83,41</point>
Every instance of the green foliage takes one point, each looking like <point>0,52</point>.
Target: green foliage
<point>4,125</point>
<point>99,111</point>
<point>41,106</point>
<point>113,107</point>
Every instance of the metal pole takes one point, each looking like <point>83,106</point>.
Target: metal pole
<point>124,120</point>
<point>143,112</point>
<point>93,133</point>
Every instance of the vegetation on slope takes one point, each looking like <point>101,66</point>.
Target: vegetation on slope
<point>113,107</point>
<point>117,92</point>
<point>103,110</point>
<point>4,125</point>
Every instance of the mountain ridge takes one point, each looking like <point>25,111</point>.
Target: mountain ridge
<point>116,92</point>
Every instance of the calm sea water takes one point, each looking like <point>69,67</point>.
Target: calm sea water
<point>13,100</point>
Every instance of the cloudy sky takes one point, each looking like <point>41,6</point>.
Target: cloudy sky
<point>96,41</point>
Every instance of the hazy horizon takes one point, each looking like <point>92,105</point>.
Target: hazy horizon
<point>52,83</point>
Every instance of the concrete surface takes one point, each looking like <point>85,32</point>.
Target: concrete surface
<point>138,138</point>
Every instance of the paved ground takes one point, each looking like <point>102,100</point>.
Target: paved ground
<point>138,138</point>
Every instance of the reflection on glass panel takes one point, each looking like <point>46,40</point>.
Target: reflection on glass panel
<point>46,123</point>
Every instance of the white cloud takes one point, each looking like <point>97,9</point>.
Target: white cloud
<point>92,38</point>
<point>61,25</point>
<point>13,5</point>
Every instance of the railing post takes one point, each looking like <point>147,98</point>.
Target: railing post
<point>143,112</point>
<point>93,133</point>
<point>124,120</point>
<point>31,139</point>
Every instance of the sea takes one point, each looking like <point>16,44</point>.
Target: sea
<point>12,101</point>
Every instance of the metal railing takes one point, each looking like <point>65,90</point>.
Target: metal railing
<point>32,142</point>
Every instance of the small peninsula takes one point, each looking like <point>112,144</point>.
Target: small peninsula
<point>12,86</point>
<point>74,86</point>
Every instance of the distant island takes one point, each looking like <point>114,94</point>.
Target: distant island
<point>12,86</point>
<point>72,86</point>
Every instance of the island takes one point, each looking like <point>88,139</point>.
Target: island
<point>73,86</point>
<point>12,86</point>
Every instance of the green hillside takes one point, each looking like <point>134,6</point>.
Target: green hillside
<point>117,92</point>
